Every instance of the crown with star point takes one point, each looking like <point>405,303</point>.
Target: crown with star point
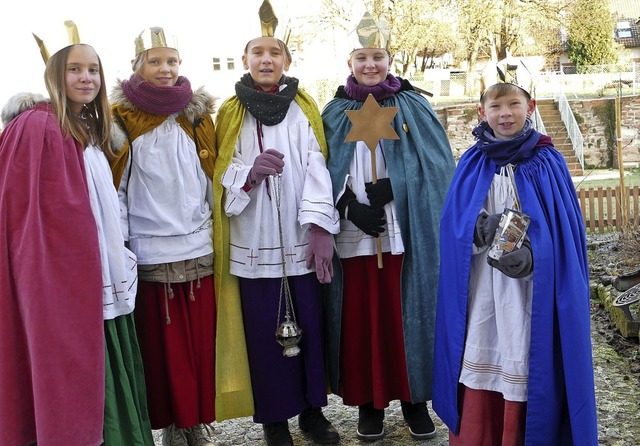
<point>73,38</point>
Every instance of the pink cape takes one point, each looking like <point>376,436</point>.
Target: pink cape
<point>51,330</point>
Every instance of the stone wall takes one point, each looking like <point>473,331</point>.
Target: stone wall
<point>596,118</point>
<point>630,123</point>
<point>458,121</point>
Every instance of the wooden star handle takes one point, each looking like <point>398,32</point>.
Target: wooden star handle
<point>374,180</point>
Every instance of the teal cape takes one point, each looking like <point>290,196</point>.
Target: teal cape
<point>420,166</point>
<point>561,398</point>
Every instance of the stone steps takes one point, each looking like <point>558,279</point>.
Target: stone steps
<point>555,128</point>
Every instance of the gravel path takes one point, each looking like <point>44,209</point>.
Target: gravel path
<point>617,397</point>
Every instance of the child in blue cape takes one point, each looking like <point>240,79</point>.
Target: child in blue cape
<point>512,341</point>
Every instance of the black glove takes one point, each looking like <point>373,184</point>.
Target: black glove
<point>370,220</point>
<point>345,200</point>
<point>485,231</point>
<point>379,193</point>
<point>516,264</point>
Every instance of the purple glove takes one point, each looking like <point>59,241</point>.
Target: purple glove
<point>515,264</point>
<point>267,163</point>
<point>320,250</point>
<point>485,231</point>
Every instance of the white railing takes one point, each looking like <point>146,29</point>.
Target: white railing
<point>450,85</point>
<point>572,126</point>
<point>537,122</point>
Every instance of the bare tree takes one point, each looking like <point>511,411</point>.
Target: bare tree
<point>422,30</point>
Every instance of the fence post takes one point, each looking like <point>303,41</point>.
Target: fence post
<point>624,202</point>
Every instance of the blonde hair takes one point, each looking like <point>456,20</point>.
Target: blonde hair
<point>138,62</point>
<point>95,126</point>
<point>502,89</point>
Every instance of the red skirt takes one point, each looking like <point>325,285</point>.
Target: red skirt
<point>489,420</point>
<point>178,356</point>
<point>372,357</point>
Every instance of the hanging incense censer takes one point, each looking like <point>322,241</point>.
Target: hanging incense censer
<point>288,336</point>
<point>288,333</point>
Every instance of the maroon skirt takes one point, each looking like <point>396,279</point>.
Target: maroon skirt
<point>489,420</point>
<point>178,356</point>
<point>372,358</point>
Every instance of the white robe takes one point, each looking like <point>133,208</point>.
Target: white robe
<point>496,355</point>
<point>351,241</point>
<point>306,197</point>
<point>166,198</point>
<point>119,267</point>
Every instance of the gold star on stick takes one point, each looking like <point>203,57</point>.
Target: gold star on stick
<point>371,124</point>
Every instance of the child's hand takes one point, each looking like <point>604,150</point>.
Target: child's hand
<point>379,193</point>
<point>267,163</point>
<point>370,220</point>
<point>516,264</point>
<point>320,253</point>
<point>485,231</point>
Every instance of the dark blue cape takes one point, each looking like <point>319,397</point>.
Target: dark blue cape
<point>561,399</point>
<point>420,166</point>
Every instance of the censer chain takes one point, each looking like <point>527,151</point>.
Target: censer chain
<point>284,284</point>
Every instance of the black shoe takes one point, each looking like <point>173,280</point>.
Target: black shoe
<point>370,426</point>
<point>277,434</point>
<point>417,417</point>
<point>313,422</point>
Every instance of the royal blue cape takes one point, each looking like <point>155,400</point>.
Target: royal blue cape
<point>420,166</point>
<point>561,398</point>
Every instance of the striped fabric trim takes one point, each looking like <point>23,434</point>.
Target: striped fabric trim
<point>493,369</point>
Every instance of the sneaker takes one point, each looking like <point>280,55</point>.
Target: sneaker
<point>417,417</point>
<point>313,422</point>
<point>199,435</point>
<point>277,434</point>
<point>172,436</point>
<point>370,426</point>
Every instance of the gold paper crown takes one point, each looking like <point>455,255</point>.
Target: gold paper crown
<point>371,33</point>
<point>73,37</point>
<point>269,22</point>
<point>154,37</point>
<point>509,71</point>
<point>268,19</point>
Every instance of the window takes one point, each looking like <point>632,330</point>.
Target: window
<point>623,30</point>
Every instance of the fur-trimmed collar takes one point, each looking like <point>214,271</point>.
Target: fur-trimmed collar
<point>201,102</point>
<point>18,103</point>
<point>24,101</point>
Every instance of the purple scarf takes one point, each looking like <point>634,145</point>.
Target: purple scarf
<point>509,151</point>
<point>157,100</point>
<point>383,90</point>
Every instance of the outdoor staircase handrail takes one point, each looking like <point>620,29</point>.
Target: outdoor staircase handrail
<point>537,122</point>
<point>572,126</point>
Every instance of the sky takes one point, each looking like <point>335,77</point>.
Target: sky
<point>204,29</point>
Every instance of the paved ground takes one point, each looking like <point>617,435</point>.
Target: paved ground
<point>617,397</point>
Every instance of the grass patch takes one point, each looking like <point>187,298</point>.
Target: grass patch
<point>592,178</point>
